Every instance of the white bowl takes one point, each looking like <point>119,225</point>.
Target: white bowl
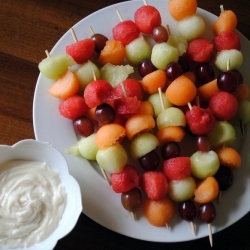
<point>44,152</point>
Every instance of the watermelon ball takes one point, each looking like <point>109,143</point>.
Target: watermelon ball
<point>223,105</point>
<point>127,105</point>
<point>132,88</point>
<point>200,50</point>
<point>146,18</point>
<point>82,50</point>
<point>200,121</point>
<point>125,32</point>
<point>73,107</point>
<point>227,40</point>
<point>154,184</point>
<point>126,180</point>
<point>177,168</point>
<point>97,92</point>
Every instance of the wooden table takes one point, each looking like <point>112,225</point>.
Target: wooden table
<point>29,27</point>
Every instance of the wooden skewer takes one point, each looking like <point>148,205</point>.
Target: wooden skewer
<point>161,99</point>
<point>73,34</point>
<point>91,30</point>
<point>221,8</point>
<point>119,15</point>
<point>210,234</point>
<point>193,227</point>
<point>145,2</point>
<point>47,53</point>
<point>124,90</point>
<point>189,105</point>
<point>132,215</point>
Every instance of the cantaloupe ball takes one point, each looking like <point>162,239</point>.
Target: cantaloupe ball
<point>181,91</point>
<point>227,21</point>
<point>139,123</point>
<point>180,9</point>
<point>109,135</point>
<point>160,212</point>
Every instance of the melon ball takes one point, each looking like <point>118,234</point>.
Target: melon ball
<point>233,55</point>
<point>223,105</point>
<point>163,54</point>
<point>180,9</point>
<point>182,190</point>
<point>143,144</point>
<point>204,164</point>
<point>191,27</point>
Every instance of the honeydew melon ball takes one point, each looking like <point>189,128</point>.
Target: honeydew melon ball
<point>87,147</point>
<point>191,27</point>
<point>115,74</point>
<point>204,164</point>
<point>112,159</point>
<point>178,42</point>
<point>223,133</point>
<point>243,113</point>
<point>171,117</point>
<point>234,56</point>
<point>181,190</point>
<point>143,144</point>
<point>54,67</point>
<point>138,50</point>
<point>85,73</point>
<point>155,100</point>
<point>163,54</point>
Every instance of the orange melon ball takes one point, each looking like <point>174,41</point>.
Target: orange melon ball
<point>206,91</point>
<point>147,108</point>
<point>113,52</point>
<point>190,75</point>
<point>206,191</point>
<point>229,157</point>
<point>242,92</point>
<point>152,81</point>
<point>160,212</point>
<point>66,86</point>
<point>181,91</point>
<point>109,135</point>
<point>180,9</point>
<point>171,133</point>
<point>139,123</point>
<point>227,21</point>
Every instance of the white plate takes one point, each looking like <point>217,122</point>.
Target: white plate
<point>100,203</point>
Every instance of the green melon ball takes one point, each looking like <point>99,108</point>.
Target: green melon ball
<point>191,27</point>
<point>54,67</point>
<point>112,159</point>
<point>87,147</point>
<point>171,117</point>
<point>243,113</point>
<point>204,164</point>
<point>182,190</point>
<point>163,54</point>
<point>234,56</point>
<point>178,42</point>
<point>223,133</point>
<point>143,144</point>
<point>86,72</point>
<point>155,100</point>
<point>138,50</point>
<point>115,74</point>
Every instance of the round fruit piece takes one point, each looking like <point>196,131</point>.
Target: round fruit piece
<point>181,190</point>
<point>112,159</point>
<point>204,164</point>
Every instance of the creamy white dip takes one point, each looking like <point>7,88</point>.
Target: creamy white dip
<point>32,201</point>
